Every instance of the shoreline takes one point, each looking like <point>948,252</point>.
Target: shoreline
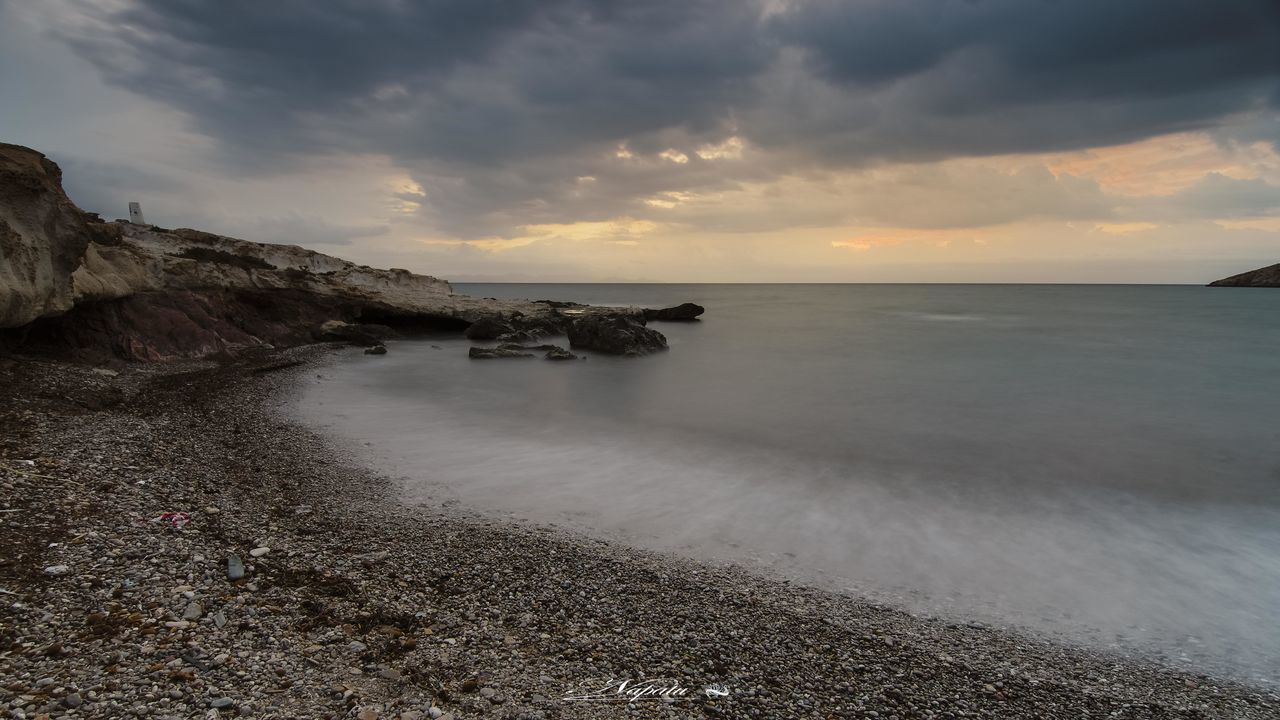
<point>364,607</point>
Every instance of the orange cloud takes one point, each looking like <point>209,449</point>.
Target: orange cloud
<point>1165,165</point>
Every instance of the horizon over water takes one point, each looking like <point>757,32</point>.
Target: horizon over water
<point>1096,462</point>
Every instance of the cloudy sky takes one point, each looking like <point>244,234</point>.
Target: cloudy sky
<point>675,140</point>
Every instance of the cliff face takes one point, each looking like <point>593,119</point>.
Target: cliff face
<point>72,284</point>
<point>35,269</point>
<point>1262,277</point>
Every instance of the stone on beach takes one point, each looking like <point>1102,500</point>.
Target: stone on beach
<point>235,567</point>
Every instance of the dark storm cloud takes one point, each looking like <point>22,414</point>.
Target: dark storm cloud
<point>993,76</point>
<point>501,109</point>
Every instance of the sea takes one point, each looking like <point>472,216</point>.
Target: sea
<point>1095,463</point>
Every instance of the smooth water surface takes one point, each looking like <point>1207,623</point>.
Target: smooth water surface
<point>1101,462</point>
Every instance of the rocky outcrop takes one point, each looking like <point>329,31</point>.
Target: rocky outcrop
<point>73,285</point>
<point>43,238</point>
<point>1268,277</point>
<point>615,335</point>
<point>517,327</point>
<point>363,335</point>
<point>684,312</point>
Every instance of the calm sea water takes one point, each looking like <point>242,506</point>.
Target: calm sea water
<point>1096,462</point>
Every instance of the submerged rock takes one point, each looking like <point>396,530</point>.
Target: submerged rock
<point>615,335</point>
<point>558,353</point>
<point>684,312</point>
<point>376,350</point>
<point>479,353</point>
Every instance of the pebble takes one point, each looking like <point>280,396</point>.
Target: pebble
<point>56,570</point>
<point>259,552</point>
<point>73,700</point>
<point>235,568</point>
<point>193,611</point>
<point>221,703</point>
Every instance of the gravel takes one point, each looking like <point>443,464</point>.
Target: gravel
<point>366,608</point>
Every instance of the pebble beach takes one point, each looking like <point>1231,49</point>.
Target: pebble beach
<point>173,545</point>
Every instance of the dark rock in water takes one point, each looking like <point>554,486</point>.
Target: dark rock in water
<point>1262,277</point>
<point>488,328</point>
<point>615,335</point>
<point>479,353</point>
<point>558,353</point>
<point>518,336</point>
<point>683,312</point>
<point>376,350</point>
<point>517,327</point>
<point>525,348</point>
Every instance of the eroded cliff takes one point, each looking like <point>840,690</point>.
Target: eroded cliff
<point>73,285</point>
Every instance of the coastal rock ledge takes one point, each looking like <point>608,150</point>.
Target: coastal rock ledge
<point>77,287</point>
<point>1267,277</point>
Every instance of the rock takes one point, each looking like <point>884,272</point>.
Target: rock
<point>235,568</point>
<point>411,715</point>
<point>193,612</point>
<point>356,646</point>
<point>219,619</point>
<point>259,551</point>
<point>478,353</point>
<point>57,570</point>
<point>73,700</point>
<point>487,692</point>
<point>376,350</point>
<point>518,327</point>
<point>615,335</point>
<point>373,557</point>
<point>368,714</point>
<point>1267,277</point>
<point>222,703</point>
<point>488,328</point>
<point>435,712</point>
<point>559,353</point>
<point>684,312</point>
<point>356,334</point>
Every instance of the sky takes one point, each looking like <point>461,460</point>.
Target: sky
<point>675,140</point>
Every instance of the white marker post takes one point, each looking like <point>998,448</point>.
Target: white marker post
<point>135,214</point>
